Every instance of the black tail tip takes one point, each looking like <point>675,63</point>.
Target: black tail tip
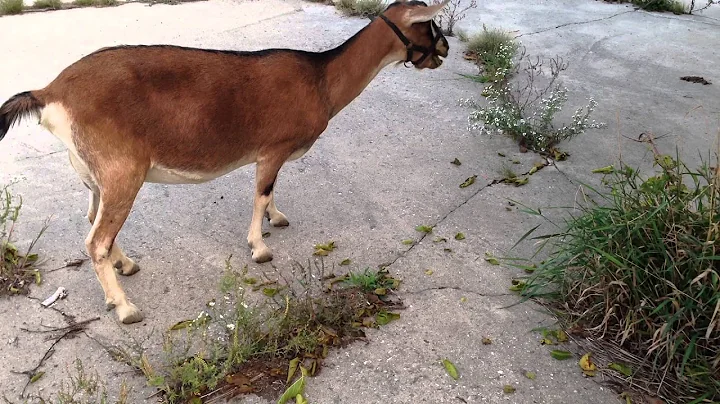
<point>17,107</point>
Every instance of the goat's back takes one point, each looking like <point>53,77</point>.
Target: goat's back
<point>194,109</point>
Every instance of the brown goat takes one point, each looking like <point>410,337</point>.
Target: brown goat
<point>168,114</point>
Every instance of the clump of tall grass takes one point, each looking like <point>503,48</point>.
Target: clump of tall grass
<point>641,270</point>
<point>363,8</point>
<point>10,7</point>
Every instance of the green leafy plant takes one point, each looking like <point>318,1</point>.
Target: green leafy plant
<point>10,7</point>
<point>641,270</point>
<point>526,111</point>
<point>494,51</point>
<point>288,333</point>
<point>673,6</point>
<point>17,270</point>
<point>48,4</point>
<point>362,8</point>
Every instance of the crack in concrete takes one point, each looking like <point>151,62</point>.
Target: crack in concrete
<point>650,13</point>
<point>577,23</point>
<point>458,288</point>
<point>40,156</point>
<point>403,254</point>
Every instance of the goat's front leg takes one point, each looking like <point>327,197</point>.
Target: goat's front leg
<point>265,175</point>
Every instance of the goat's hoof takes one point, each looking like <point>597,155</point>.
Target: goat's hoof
<point>280,221</point>
<point>128,313</point>
<point>127,268</point>
<point>261,255</point>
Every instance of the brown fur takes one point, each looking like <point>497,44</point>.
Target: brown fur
<point>127,112</point>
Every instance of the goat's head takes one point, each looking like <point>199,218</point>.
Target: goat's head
<point>413,23</point>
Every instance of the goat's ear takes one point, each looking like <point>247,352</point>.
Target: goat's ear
<point>422,14</point>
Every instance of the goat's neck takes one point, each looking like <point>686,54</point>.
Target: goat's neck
<point>357,62</point>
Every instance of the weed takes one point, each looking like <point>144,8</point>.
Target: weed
<point>452,13</point>
<point>17,270</point>
<point>10,7</point>
<point>673,6</point>
<point>95,3</point>
<point>235,347</point>
<point>526,111</point>
<point>640,271</point>
<point>363,8</point>
<point>82,388</point>
<point>48,4</point>
<point>494,51</point>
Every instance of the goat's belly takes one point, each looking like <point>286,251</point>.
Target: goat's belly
<point>164,175</point>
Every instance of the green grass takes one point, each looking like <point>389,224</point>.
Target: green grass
<point>673,6</point>
<point>48,4</point>
<point>494,50</point>
<point>95,3</point>
<point>286,333</point>
<point>640,270</point>
<point>363,8</point>
<point>17,270</point>
<point>10,7</point>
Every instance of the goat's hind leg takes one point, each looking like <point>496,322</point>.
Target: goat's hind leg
<point>123,264</point>
<point>265,175</point>
<point>116,199</point>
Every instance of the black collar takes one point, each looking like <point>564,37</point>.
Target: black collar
<point>409,46</point>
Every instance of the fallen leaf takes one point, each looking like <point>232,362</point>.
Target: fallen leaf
<point>37,376</point>
<point>604,170</point>
<point>619,367</point>
<point>270,292</point>
<point>180,325</point>
<point>456,162</point>
<point>517,285</point>
<point>546,341</point>
<point>469,181</point>
<point>560,335</point>
<point>501,154</point>
<point>486,341</point>
<point>429,272</point>
<point>450,369</point>
<point>300,400</point>
<point>530,375</point>
<point>491,259</point>
<point>439,239</point>
<point>516,161</point>
<point>424,229</point>
<point>447,250</point>
<point>381,291</point>
<point>408,241</point>
<point>459,236</point>
<point>324,249</point>
<point>384,317</point>
<point>292,368</point>
<point>346,261</point>
<point>533,170</point>
<point>508,389</point>
<point>250,281</point>
<point>520,181</point>
<point>463,299</point>
<point>587,365</point>
<point>266,234</point>
<point>294,389</point>
<point>560,355</point>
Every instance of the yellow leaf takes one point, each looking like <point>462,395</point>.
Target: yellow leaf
<point>508,389</point>
<point>429,272</point>
<point>586,364</point>
<point>530,375</point>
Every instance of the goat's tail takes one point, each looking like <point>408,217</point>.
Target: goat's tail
<point>18,107</point>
